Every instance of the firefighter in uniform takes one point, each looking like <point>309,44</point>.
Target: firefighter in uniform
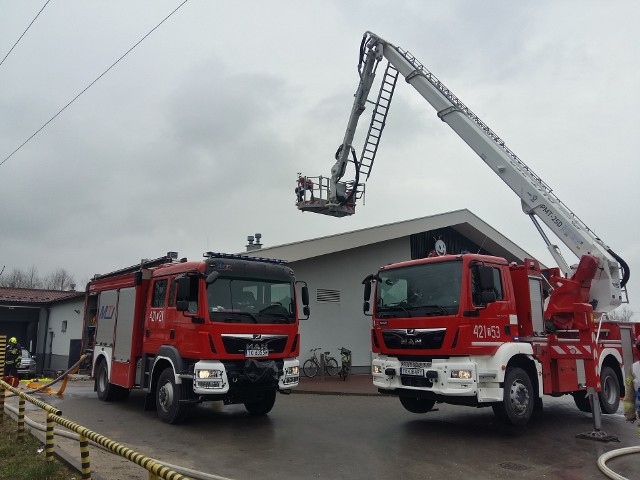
<point>12,357</point>
<point>632,397</point>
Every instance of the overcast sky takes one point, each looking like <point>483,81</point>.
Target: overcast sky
<point>193,141</point>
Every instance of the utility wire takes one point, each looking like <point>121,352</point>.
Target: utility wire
<point>23,33</point>
<point>91,84</point>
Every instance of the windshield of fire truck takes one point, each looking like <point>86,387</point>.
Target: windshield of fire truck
<point>234,300</point>
<point>429,289</point>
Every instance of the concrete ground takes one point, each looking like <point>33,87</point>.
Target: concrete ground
<point>344,429</point>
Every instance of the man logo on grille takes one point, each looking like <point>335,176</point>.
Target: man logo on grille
<point>257,336</point>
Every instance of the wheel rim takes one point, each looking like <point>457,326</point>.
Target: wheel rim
<point>102,380</point>
<point>165,396</point>
<point>608,392</point>
<point>519,397</point>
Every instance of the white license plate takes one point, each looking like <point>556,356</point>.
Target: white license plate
<point>418,372</point>
<point>256,352</point>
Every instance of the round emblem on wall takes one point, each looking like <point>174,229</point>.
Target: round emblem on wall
<point>441,248</point>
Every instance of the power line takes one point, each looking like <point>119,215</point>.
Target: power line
<point>23,33</point>
<point>91,84</point>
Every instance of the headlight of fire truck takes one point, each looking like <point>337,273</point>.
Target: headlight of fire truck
<point>290,373</point>
<point>462,374</point>
<point>209,378</point>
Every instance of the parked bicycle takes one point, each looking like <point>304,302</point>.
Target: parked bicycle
<point>313,365</point>
<point>345,356</point>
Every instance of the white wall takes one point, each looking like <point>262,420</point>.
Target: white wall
<point>60,312</point>
<point>335,325</point>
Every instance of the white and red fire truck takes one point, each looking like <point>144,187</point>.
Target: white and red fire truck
<point>225,328</point>
<point>472,329</point>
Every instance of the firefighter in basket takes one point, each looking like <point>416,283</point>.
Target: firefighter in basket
<point>304,185</point>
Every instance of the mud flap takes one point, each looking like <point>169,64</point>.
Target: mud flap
<point>149,402</point>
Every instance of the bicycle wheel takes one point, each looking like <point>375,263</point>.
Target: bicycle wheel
<point>310,368</point>
<point>331,366</point>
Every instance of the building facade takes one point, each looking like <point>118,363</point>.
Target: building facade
<point>48,323</point>
<point>334,267</point>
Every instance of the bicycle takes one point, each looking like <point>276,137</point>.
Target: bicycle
<point>311,366</point>
<point>345,356</point>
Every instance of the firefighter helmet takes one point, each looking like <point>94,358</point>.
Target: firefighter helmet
<point>13,340</point>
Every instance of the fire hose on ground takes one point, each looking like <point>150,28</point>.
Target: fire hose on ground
<point>64,377</point>
<point>604,458</point>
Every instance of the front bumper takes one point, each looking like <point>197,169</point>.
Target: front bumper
<point>452,377</point>
<point>214,377</point>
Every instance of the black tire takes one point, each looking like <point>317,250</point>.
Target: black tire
<point>310,368</point>
<point>331,366</point>
<point>610,393</point>
<point>262,406</point>
<point>519,398</point>
<point>168,395</point>
<point>343,373</point>
<point>106,391</point>
<point>417,405</point>
<point>582,401</point>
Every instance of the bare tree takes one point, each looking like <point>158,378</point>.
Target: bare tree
<point>16,278</point>
<point>58,280</point>
<point>33,278</point>
<point>621,314</point>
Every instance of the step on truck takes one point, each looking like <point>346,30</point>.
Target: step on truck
<point>472,329</point>
<point>224,328</point>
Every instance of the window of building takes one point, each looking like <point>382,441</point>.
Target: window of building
<point>64,326</point>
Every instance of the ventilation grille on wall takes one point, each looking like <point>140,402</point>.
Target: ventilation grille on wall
<point>324,295</point>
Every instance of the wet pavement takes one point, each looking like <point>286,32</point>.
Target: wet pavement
<point>338,429</point>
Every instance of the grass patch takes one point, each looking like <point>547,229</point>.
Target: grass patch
<point>25,460</point>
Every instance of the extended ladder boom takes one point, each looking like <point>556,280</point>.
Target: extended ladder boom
<point>537,198</point>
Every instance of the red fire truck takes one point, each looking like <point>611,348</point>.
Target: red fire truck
<point>225,328</point>
<point>472,329</point>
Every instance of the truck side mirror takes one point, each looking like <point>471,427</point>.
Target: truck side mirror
<point>365,307</point>
<point>367,293</point>
<point>183,285</point>
<point>304,295</point>
<point>486,278</point>
<point>487,284</point>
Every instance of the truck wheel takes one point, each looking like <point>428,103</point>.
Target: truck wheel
<point>517,406</point>
<point>610,393</point>
<point>417,405</point>
<point>310,368</point>
<point>262,406</point>
<point>106,391</point>
<point>582,401</point>
<point>168,395</point>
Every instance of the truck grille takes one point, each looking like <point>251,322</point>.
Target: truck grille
<point>414,338</point>
<point>237,343</point>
